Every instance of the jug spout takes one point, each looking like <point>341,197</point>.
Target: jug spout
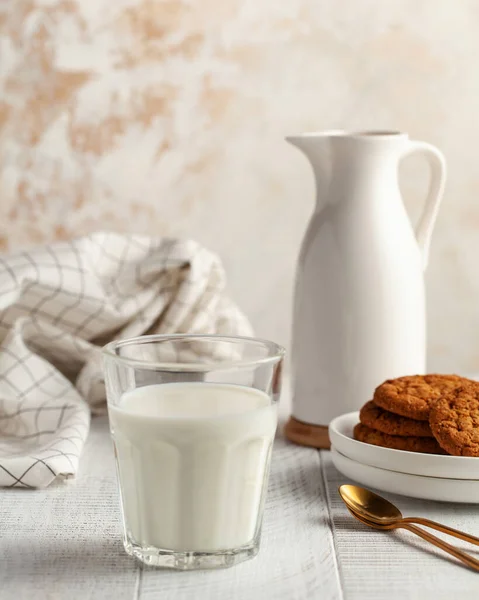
<point>315,145</point>
<point>317,149</point>
<point>309,142</point>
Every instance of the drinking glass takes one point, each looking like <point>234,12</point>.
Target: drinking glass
<point>193,419</point>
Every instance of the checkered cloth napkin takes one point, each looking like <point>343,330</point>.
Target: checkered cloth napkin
<point>59,304</point>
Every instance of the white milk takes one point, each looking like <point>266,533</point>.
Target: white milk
<point>193,459</point>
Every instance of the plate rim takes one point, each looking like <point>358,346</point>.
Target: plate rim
<point>413,475</point>
<point>382,454</point>
<point>424,495</point>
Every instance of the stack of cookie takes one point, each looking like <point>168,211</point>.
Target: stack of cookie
<point>436,414</point>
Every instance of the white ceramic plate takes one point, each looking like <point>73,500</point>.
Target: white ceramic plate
<point>414,486</point>
<point>413,463</point>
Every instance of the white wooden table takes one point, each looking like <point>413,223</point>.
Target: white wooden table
<point>65,542</point>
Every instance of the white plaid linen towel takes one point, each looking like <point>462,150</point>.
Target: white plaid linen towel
<point>59,304</point>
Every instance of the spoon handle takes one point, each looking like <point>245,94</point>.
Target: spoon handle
<point>443,528</point>
<point>459,554</point>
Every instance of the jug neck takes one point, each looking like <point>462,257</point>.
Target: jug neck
<point>351,160</point>
<point>358,151</point>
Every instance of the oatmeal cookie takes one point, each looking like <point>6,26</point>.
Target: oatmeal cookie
<point>413,396</point>
<point>365,434</point>
<point>382,420</point>
<point>454,421</point>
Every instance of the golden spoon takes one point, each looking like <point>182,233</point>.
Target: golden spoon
<point>377,509</point>
<point>459,554</point>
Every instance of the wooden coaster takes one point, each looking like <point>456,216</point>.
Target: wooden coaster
<point>305,434</point>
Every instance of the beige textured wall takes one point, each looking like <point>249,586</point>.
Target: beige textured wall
<point>167,117</point>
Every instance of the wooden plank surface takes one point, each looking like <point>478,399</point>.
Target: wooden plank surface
<point>398,565</point>
<point>65,542</point>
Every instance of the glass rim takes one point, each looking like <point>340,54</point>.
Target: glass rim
<point>275,352</point>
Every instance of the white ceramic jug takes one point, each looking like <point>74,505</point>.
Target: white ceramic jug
<point>359,314</point>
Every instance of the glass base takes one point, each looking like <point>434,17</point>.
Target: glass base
<point>188,561</point>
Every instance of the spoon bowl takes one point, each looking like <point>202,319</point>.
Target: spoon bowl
<point>369,505</point>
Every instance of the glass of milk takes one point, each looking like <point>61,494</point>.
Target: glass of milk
<point>193,419</point>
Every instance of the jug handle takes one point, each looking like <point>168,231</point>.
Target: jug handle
<point>437,165</point>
